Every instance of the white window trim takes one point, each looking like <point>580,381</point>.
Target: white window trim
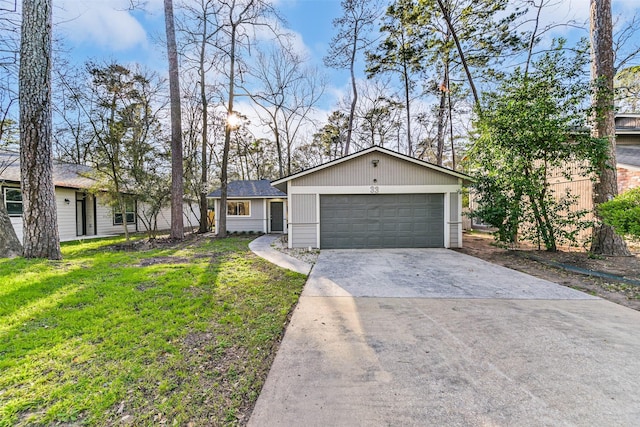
<point>12,201</point>
<point>124,215</point>
<point>248,202</point>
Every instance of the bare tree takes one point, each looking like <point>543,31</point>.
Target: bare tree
<point>200,30</point>
<point>177,173</point>
<point>40,222</point>
<point>604,239</point>
<point>353,27</point>
<point>288,94</point>
<point>236,19</point>
<point>379,114</point>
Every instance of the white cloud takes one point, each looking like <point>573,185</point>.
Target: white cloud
<point>104,24</point>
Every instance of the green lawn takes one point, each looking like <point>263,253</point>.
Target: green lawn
<point>173,335</point>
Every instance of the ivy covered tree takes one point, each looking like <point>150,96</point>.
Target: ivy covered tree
<point>532,130</point>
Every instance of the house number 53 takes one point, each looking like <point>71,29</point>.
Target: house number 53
<point>374,189</point>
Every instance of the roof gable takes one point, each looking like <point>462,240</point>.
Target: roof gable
<point>261,188</point>
<point>374,149</point>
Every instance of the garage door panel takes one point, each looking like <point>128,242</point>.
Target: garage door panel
<point>381,221</point>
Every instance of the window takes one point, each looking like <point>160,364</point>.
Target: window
<point>239,208</point>
<point>13,201</point>
<point>130,208</point>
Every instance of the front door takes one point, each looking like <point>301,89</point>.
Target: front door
<point>277,217</point>
<point>81,215</point>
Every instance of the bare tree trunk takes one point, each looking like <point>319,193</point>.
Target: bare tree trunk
<point>177,173</point>
<point>222,221</point>
<point>204,206</point>
<point>354,95</point>
<point>463,59</point>
<point>407,105</point>
<point>604,240</point>
<point>40,222</point>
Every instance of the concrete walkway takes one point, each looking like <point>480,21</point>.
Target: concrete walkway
<point>262,247</point>
<point>433,337</point>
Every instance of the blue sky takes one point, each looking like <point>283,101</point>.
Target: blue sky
<point>105,29</point>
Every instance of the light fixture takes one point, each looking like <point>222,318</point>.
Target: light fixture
<point>375,162</point>
<point>67,201</point>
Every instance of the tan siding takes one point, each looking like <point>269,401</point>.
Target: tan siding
<point>583,188</point>
<point>628,139</point>
<point>304,211</point>
<point>389,171</point>
<point>304,235</point>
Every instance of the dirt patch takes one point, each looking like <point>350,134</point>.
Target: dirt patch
<point>537,263</point>
<point>162,260</point>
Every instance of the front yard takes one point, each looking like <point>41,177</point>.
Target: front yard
<point>159,334</point>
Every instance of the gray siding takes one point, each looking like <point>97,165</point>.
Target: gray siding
<point>389,171</point>
<point>304,235</point>
<point>245,224</point>
<point>454,225</point>
<point>305,209</point>
<point>256,222</point>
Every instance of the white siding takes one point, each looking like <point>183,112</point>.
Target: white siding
<point>191,217</point>
<point>66,213</point>
<point>16,221</point>
<point>104,220</point>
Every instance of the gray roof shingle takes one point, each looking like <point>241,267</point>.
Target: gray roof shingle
<point>64,174</point>
<point>255,188</point>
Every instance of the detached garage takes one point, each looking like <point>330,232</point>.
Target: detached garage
<point>375,198</point>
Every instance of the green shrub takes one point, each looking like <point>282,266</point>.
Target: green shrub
<point>623,213</point>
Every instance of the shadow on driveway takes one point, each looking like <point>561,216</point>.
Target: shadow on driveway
<point>435,337</point>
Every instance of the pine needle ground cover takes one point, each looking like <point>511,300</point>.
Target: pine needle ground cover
<point>173,334</point>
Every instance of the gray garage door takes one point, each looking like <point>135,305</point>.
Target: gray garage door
<point>382,221</point>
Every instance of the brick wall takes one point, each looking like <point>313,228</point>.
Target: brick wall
<point>628,178</point>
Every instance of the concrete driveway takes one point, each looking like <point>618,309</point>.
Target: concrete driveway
<point>431,337</point>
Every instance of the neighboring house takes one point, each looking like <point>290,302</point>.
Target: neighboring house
<point>628,151</point>
<point>628,169</point>
<point>253,206</point>
<point>80,212</point>
<point>375,198</point>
